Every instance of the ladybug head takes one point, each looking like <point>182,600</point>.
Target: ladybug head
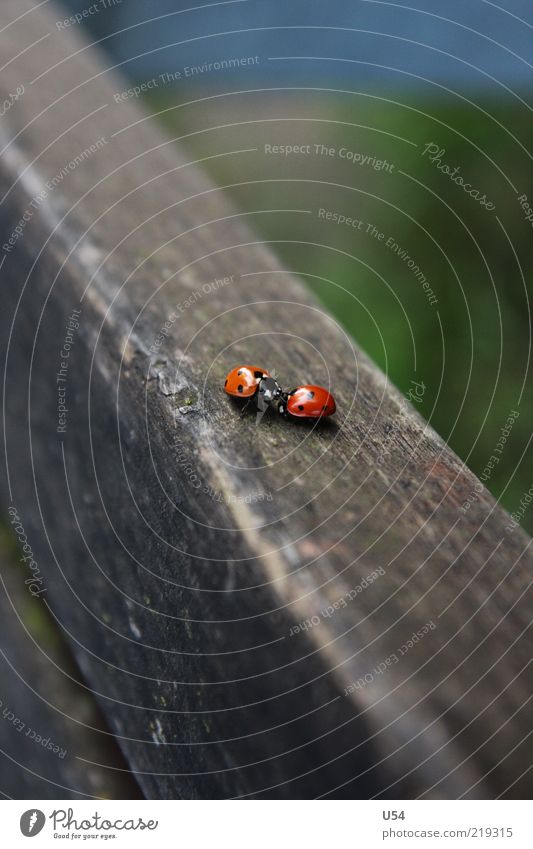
<point>269,389</point>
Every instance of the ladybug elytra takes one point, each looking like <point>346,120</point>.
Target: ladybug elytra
<point>310,402</point>
<point>242,381</point>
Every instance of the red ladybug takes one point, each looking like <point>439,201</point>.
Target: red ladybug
<point>257,384</point>
<point>309,402</point>
<point>243,381</point>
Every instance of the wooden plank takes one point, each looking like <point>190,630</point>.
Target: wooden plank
<point>181,545</point>
<point>49,721</point>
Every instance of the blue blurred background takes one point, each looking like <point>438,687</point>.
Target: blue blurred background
<point>467,44</point>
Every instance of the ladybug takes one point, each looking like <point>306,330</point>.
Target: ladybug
<point>309,402</point>
<point>258,385</point>
<point>242,381</point>
<point>254,383</point>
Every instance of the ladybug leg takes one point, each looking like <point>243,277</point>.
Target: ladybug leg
<point>243,411</point>
<point>282,403</point>
<point>254,398</point>
<point>262,407</point>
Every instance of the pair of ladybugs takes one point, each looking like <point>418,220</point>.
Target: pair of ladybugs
<point>257,385</point>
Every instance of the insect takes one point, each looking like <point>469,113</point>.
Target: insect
<point>259,386</point>
<point>310,402</point>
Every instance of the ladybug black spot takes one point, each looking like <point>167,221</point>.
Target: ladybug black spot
<point>325,407</point>
<point>240,387</point>
<point>301,406</point>
<point>239,373</point>
<point>310,395</point>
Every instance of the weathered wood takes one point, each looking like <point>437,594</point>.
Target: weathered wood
<point>179,543</point>
<point>49,723</point>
